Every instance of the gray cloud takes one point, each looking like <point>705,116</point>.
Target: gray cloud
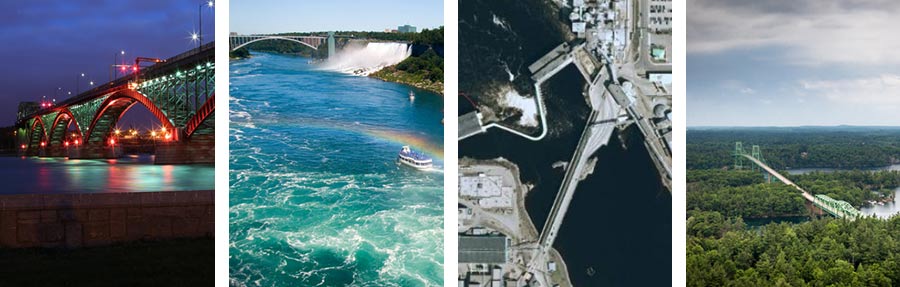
<point>811,32</point>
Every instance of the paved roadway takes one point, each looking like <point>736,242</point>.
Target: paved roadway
<point>806,194</point>
<point>780,177</point>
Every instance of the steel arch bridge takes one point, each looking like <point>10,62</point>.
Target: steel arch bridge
<point>239,41</point>
<point>179,92</point>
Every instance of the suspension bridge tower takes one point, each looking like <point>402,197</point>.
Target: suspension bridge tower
<point>739,155</point>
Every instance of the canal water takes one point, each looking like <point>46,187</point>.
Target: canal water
<point>317,198</point>
<point>35,175</point>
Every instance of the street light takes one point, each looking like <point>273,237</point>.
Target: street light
<point>199,37</point>
<point>78,84</point>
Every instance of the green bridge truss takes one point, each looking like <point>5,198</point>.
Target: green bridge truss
<point>838,208</point>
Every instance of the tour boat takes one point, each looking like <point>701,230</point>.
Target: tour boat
<point>413,159</point>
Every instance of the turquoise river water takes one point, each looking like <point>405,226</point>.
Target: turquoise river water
<point>317,198</point>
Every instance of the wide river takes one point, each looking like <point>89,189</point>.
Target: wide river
<point>317,198</point>
<point>35,175</point>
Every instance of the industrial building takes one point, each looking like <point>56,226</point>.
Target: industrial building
<point>488,189</point>
<point>483,249</point>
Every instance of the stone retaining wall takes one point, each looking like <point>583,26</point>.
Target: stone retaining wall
<point>94,219</point>
<point>200,149</point>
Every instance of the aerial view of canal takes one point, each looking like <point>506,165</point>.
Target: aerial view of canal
<point>618,227</point>
<point>317,196</point>
<point>131,173</point>
<point>619,222</point>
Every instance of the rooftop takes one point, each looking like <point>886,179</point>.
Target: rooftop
<point>483,249</point>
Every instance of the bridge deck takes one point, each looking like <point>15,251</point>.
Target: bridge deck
<point>808,196</point>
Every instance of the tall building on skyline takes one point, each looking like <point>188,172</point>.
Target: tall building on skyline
<point>406,29</point>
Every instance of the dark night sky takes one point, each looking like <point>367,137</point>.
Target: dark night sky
<point>49,43</point>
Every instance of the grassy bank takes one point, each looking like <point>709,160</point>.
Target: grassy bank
<point>166,263</point>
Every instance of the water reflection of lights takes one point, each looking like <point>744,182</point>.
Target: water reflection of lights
<point>167,173</point>
<point>127,174</point>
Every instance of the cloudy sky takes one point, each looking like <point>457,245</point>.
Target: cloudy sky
<point>49,43</point>
<point>790,63</point>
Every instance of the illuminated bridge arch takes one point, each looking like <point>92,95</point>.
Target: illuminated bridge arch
<point>237,42</point>
<point>37,133</point>
<point>203,120</point>
<point>60,127</point>
<point>112,109</point>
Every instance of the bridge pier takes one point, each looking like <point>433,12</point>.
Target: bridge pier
<point>33,152</point>
<point>56,152</point>
<point>813,209</point>
<point>94,152</point>
<point>200,149</point>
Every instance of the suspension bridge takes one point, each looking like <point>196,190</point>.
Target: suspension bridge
<point>837,208</point>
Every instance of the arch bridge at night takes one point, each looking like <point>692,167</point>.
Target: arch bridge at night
<point>178,91</point>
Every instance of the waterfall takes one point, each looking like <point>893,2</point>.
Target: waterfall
<point>363,61</point>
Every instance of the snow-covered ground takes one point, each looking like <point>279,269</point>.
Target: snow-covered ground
<point>509,97</point>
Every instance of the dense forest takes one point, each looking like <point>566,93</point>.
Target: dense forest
<point>744,193</point>
<point>783,148</point>
<point>824,252</point>
<point>723,251</point>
